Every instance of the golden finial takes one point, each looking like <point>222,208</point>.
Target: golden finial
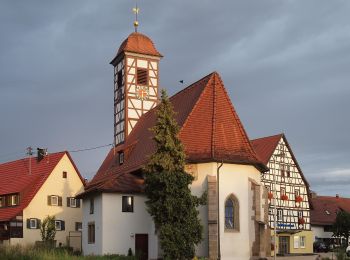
<point>136,11</point>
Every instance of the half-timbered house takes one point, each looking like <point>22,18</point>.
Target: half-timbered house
<point>288,194</point>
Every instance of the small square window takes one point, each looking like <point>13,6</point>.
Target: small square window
<point>64,175</point>
<point>128,204</point>
<point>78,226</point>
<point>33,223</point>
<point>121,158</point>
<point>54,200</point>
<point>73,202</point>
<point>58,225</point>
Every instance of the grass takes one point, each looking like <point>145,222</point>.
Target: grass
<point>35,253</point>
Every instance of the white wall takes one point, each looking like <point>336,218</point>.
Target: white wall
<point>96,248</point>
<point>319,232</point>
<point>119,228</point>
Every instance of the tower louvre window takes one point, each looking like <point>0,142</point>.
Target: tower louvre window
<point>142,76</point>
<point>120,79</point>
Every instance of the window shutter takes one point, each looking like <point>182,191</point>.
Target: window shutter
<point>62,225</point>
<point>38,223</point>
<point>49,200</point>
<point>68,201</point>
<point>59,201</point>
<point>28,223</point>
<point>78,203</point>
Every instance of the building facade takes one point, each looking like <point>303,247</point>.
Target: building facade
<point>33,188</point>
<point>288,194</point>
<point>219,156</point>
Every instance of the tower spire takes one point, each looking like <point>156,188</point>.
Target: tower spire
<point>136,11</point>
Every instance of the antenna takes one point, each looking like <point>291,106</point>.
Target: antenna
<point>136,11</point>
<point>30,153</point>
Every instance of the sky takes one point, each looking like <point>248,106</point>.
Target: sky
<point>285,64</point>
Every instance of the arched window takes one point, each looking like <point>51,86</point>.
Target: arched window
<point>231,214</point>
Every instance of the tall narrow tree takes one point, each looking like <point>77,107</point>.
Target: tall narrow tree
<point>341,226</point>
<point>170,202</point>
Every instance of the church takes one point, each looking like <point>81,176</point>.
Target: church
<point>219,155</point>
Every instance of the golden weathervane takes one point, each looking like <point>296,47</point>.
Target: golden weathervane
<point>136,11</point>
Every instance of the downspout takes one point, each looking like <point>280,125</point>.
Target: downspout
<point>218,203</point>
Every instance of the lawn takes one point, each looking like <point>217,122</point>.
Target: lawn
<point>34,253</point>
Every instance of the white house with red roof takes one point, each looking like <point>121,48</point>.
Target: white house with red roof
<point>289,196</point>
<point>323,216</point>
<point>35,187</point>
<point>219,156</point>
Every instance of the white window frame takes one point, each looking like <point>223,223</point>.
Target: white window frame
<point>60,225</point>
<point>302,242</point>
<point>51,198</point>
<point>300,214</point>
<point>297,193</point>
<point>13,200</point>
<point>33,223</point>
<point>72,202</point>
<point>296,242</point>
<point>283,191</point>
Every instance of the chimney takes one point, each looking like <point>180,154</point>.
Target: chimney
<point>337,196</point>
<point>41,153</point>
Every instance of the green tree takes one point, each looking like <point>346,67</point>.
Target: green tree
<point>48,229</point>
<point>341,227</point>
<point>170,202</point>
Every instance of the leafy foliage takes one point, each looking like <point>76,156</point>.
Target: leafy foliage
<point>48,229</point>
<point>170,201</point>
<point>341,227</point>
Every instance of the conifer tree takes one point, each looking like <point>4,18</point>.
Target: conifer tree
<point>170,201</point>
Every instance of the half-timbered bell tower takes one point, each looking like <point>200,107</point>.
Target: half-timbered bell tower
<point>136,80</point>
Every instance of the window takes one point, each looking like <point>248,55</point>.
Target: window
<point>121,158</point>
<point>282,170</point>
<point>2,202</point>
<point>288,170</point>
<point>302,242</point>
<point>78,226</point>
<point>64,175</point>
<point>327,212</point>
<point>73,202</point>
<point>59,225</point>
<point>92,206</point>
<point>296,242</point>
<point>279,215</point>
<point>54,200</point>
<point>268,188</point>
<point>91,233</point>
<point>33,223</point>
<point>297,193</point>
<point>231,214</point>
<point>127,204</point>
<point>300,214</point>
<point>142,76</point>
<point>120,79</point>
<point>283,191</point>
<point>14,200</point>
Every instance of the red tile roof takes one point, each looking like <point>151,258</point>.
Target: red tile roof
<point>210,131</point>
<point>321,204</point>
<point>138,43</point>
<point>15,178</point>
<point>265,146</point>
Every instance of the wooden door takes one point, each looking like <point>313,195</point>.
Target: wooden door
<point>141,246</point>
<point>283,242</point>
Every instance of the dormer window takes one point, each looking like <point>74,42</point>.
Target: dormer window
<point>142,76</point>
<point>2,202</point>
<point>14,200</point>
<point>121,158</point>
<point>327,212</point>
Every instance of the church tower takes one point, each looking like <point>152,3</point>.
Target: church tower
<point>136,80</point>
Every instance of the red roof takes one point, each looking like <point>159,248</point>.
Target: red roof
<point>210,130</point>
<point>138,43</point>
<point>16,178</point>
<point>265,146</point>
<point>322,205</point>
